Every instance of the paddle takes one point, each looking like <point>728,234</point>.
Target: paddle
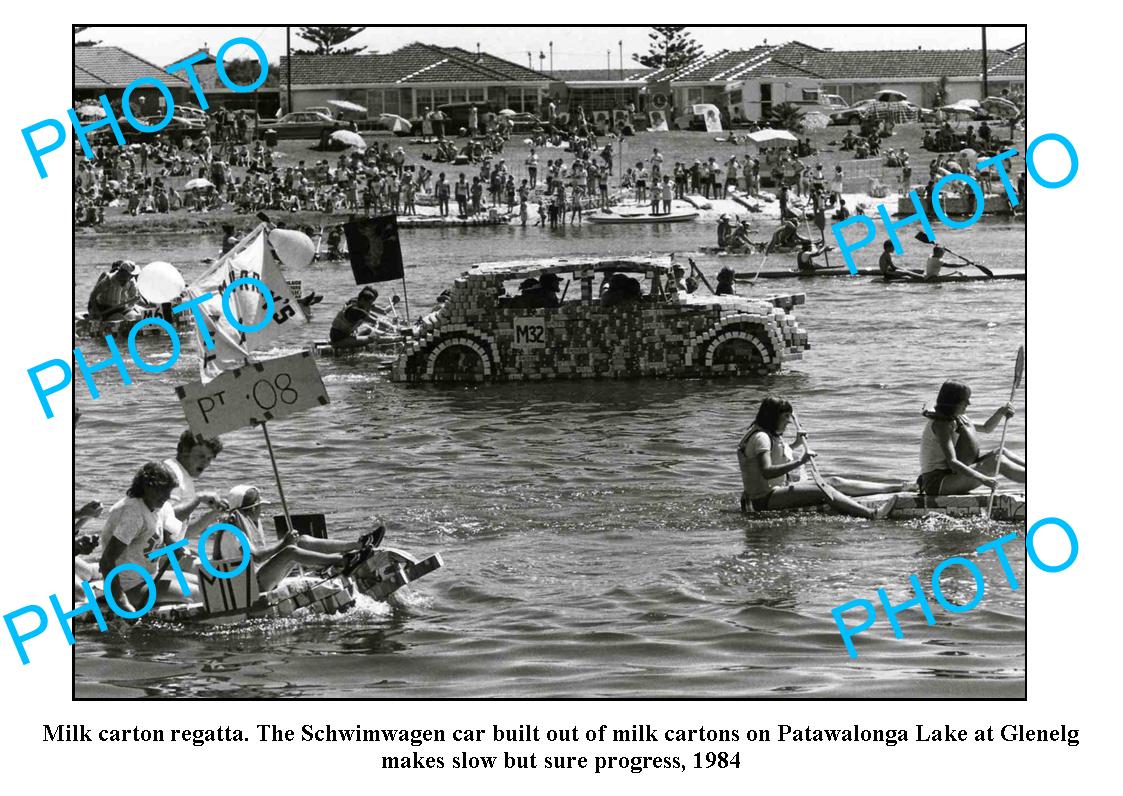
<point>923,238</point>
<point>816,476</point>
<point>1019,370</point>
<point>695,269</point>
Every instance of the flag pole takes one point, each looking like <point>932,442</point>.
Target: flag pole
<point>277,476</point>
<point>405,295</point>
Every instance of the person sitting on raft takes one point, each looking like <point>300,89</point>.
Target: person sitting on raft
<point>950,460</point>
<point>724,227</point>
<point>544,294</point>
<point>935,263</point>
<point>725,282</point>
<point>139,523</point>
<point>274,562</point>
<point>787,236</point>
<point>804,260</point>
<point>889,270</point>
<point>356,325</point>
<point>770,472</point>
<point>739,239</point>
<point>115,296</point>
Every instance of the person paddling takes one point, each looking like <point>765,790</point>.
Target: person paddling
<point>770,470</point>
<point>950,460</point>
<point>889,270</point>
<point>807,253</point>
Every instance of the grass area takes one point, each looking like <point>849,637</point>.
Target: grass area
<point>675,146</point>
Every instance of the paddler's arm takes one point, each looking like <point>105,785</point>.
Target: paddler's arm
<point>943,435</point>
<point>769,470</point>
<point>109,556</point>
<point>992,422</point>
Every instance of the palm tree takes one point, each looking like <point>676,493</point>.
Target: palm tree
<point>785,116</point>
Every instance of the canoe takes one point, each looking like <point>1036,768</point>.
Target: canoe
<point>1008,507</point>
<point>974,277</point>
<point>792,273</point>
<point>386,571</point>
<point>641,218</point>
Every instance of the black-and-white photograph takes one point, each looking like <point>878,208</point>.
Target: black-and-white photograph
<point>549,362</point>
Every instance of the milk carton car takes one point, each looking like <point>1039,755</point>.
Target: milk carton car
<point>615,318</point>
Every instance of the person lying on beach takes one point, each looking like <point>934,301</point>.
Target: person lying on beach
<point>771,472</point>
<point>274,562</point>
<point>950,460</point>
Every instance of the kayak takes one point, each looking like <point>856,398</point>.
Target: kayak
<point>792,273</point>
<point>607,217</point>
<point>1008,507</point>
<point>379,576</point>
<point>976,277</point>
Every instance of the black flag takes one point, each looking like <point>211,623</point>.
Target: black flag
<point>376,252</point>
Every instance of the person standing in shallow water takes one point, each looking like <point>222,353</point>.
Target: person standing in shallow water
<point>771,472</point>
<point>950,460</point>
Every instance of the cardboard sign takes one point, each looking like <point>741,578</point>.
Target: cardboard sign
<point>254,394</point>
<point>530,333</point>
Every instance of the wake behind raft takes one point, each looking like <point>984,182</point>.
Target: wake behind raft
<point>238,598</point>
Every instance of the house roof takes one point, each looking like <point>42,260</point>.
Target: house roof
<point>113,67</point>
<point>801,60</point>
<point>413,63</point>
<point>633,74</point>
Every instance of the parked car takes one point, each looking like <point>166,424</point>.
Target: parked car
<point>695,117</point>
<point>853,114</point>
<point>457,113</point>
<point>524,122</point>
<point>298,124</point>
<point>645,326</point>
<point>833,102</point>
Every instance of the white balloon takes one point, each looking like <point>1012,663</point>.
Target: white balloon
<point>293,247</point>
<point>160,282</point>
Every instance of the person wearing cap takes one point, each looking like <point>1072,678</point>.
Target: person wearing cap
<point>115,296</point>
<point>723,229</point>
<point>354,325</point>
<point>545,294</point>
<point>274,562</point>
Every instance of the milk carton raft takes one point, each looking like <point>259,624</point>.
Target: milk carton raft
<point>614,318</point>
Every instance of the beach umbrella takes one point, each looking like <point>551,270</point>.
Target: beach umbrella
<point>967,158</point>
<point>197,184</point>
<point>160,282</point>
<point>773,139</point>
<point>294,248</point>
<point>1001,106</point>
<point>395,123</point>
<point>90,112</point>
<point>507,112</point>
<point>344,105</point>
<point>891,96</point>
<point>348,138</point>
<point>959,109</point>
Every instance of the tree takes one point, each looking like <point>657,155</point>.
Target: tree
<point>671,47</point>
<point>327,39</point>
<point>785,116</point>
<point>87,42</point>
<point>244,71</point>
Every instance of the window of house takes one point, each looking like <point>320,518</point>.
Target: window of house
<point>477,94</point>
<point>810,95</point>
<point>695,96</point>
<point>374,103</point>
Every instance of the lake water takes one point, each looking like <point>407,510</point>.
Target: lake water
<point>590,531</point>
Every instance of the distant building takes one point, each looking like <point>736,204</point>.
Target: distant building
<point>109,71</point>
<point>412,78</point>
<point>600,90</point>
<point>265,99</point>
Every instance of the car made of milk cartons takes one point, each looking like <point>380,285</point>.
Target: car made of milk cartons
<point>482,332</point>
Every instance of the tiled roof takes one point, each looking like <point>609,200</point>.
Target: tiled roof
<point>414,63</point>
<point>801,60</point>
<point>112,67</point>
<point>83,79</point>
<point>1018,49</point>
<point>636,74</point>
<point>1011,67</point>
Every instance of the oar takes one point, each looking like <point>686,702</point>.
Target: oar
<point>1019,371</point>
<point>816,476</point>
<point>923,238</point>
<point>695,269</point>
